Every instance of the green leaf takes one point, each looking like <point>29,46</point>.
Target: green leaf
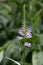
<point>13,61</point>
<point>1,55</point>
<point>40,58</point>
<point>41,39</point>
<point>36,20</point>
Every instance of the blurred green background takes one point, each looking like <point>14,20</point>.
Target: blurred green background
<point>11,14</point>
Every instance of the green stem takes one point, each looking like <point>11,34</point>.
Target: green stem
<point>20,53</point>
<point>24,28</point>
<point>24,19</point>
<point>24,56</point>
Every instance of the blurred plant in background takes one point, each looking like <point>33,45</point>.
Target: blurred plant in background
<point>11,14</point>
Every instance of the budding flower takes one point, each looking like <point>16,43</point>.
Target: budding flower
<point>28,33</point>
<point>19,37</point>
<point>27,44</point>
<point>21,32</point>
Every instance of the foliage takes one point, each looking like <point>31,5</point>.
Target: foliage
<point>11,17</point>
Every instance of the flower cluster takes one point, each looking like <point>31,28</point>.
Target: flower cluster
<point>27,35</point>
